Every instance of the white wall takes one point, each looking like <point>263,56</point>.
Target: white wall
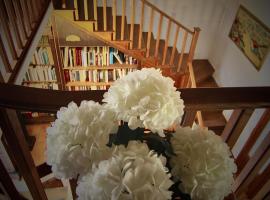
<point>231,65</point>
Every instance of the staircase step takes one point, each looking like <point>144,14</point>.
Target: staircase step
<point>208,83</point>
<point>202,70</point>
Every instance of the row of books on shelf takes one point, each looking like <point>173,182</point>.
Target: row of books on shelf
<point>40,74</point>
<point>94,56</point>
<point>43,56</point>
<point>51,86</point>
<point>93,87</point>
<point>96,75</point>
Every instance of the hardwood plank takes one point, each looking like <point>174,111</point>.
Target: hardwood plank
<point>166,43</point>
<point>14,135</point>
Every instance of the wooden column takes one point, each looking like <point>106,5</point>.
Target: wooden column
<point>158,34</point>
<point>131,35</point>
<point>193,43</point>
<point>166,42</point>
<point>123,19</point>
<point>141,26</point>
<point>149,33</point>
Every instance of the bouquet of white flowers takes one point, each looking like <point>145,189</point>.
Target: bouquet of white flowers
<point>107,148</point>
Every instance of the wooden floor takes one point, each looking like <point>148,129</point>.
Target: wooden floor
<point>38,152</point>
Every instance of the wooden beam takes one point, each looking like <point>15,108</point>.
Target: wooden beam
<point>141,26</point>
<point>26,17</point>
<point>158,35</point>
<point>76,10</point>
<point>12,21</point>
<point>8,184</point>
<point>239,126</point>
<point>85,4</point>
<point>243,156</point>
<point>95,14</point>
<point>114,18</point>
<point>195,99</point>
<point>149,33</point>
<point>104,15</point>
<point>5,28</point>
<point>131,35</point>
<point>123,19</point>
<point>184,41</point>
<point>174,45</point>
<point>19,16</point>
<point>4,57</point>
<point>166,42</point>
<point>13,133</point>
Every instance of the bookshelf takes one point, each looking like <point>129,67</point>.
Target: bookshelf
<point>42,72</point>
<point>94,67</point>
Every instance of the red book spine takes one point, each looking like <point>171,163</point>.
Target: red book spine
<point>66,75</point>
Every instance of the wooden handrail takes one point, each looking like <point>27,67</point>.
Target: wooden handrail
<point>167,16</point>
<point>33,99</point>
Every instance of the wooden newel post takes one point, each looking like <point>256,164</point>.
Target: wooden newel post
<point>193,43</point>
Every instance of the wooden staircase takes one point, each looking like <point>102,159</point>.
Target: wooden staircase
<point>104,24</point>
<point>204,71</point>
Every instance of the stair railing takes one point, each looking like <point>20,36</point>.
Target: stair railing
<point>20,21</point>
<point>186,44</point>
<point>252,178</point>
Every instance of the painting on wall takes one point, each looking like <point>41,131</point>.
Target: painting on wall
<point>251,36</point>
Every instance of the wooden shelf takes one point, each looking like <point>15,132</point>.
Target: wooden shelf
<point>80,83</point>
<point>39,82</point>
<point>113,66</point>
<point>50,65</point>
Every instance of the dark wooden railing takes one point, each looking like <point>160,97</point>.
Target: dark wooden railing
<point>242,100</point>
<point>20,21</point>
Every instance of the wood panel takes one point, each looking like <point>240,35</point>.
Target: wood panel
<point>19,16</point>
<point>13,133</point>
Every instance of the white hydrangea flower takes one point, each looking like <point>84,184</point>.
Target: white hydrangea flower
<point>145,98</point>
<point>133,173</point>
<point>203,163</point>
<point>78,138</point>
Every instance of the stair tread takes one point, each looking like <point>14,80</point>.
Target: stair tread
<point>202,70</point>
<point>208,83</point>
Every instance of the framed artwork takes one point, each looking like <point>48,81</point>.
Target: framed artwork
<point>251,36</point>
